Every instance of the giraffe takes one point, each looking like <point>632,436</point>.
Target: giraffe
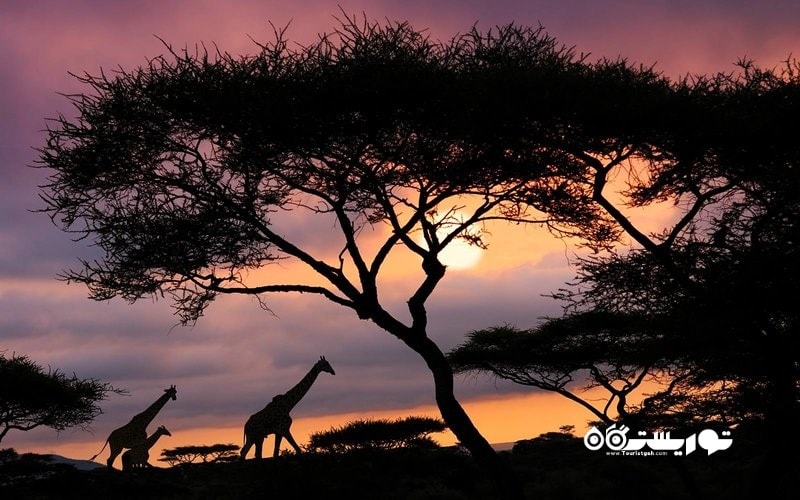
<point>275,419</point>
<point>135,431</point>
<point>139,454</point>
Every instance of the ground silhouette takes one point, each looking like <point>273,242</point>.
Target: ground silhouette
<point>551,466</point>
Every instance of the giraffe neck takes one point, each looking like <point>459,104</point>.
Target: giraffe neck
<point>296,393</point>
<point>150,413</point>
<point>152,439</point>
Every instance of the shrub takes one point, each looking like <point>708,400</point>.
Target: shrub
<point>203,453</point>
<point>410,432</point>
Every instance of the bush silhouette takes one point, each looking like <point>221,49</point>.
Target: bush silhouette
<point>31,396</point>
<point>204,453</point>
<point>410,432</point>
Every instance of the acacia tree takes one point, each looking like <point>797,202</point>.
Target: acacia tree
<point>179,171</point>
<point>31,397</point>
<point>410,432</point>
<point>730,271</point>
<point>617,352</point>
<point>204,453</point>
<point>724,271</point>
<point>571,355</point>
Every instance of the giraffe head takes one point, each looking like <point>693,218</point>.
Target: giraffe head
<point>323,366</point>
<point>172,392</point>
<point>163,431</point>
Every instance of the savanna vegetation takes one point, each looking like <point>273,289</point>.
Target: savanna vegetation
<point>409,432</point>
<point>32,397</point>
<point>552,466</point>
<point>200,453</point>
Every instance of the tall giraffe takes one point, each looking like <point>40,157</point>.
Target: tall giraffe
<point>135,431</point>
<point>139,454</point>
<point>275,419</point>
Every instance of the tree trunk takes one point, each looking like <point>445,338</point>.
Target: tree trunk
<point>500,471</point>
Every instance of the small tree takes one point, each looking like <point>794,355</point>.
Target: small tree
<point>31,397</point>
<point>410,432</point>
<point>617,353</point>
<point>569,356</point>
<point>204,453</point>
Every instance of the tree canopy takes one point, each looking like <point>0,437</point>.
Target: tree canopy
<point>31,397</point>
<point>182,170</point>
<point>571,355</point>
<point>177,170</point>
<point>724,275</point>
<point>720,278</point>
<point>653,373</point>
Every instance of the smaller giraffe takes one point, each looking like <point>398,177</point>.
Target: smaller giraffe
<point>135,431</point>
<point>274,418</point>
<point>137,457</point>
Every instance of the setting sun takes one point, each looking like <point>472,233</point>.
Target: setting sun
<point>460,255</point>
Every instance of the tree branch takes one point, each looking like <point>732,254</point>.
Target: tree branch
<point>600,180</point>
<point>256,290</point>
<point>688,217</point>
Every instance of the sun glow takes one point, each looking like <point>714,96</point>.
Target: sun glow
<point>459,254</point>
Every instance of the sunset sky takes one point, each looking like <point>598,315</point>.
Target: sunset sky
<point>238,356</point>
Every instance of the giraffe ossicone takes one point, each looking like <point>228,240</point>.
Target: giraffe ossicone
<point>135,432</point>
<point>274,418</point>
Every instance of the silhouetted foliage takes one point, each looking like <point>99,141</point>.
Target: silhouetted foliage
<point>31,397</point>
<point>178,170</point>
<point>8,454</point>
<point>202,453</point>
<point>571,355</point>
<point>721,277</point>
<point>550,468</point>
<point>409,432</point>
<point>547,439</point>
<point>616,352</point>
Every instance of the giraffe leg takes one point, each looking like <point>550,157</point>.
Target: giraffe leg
<point>277,451</point>
<point>293,442</point>
<point>247,445</point>
<point>115,450</point>
<point>252,435</point>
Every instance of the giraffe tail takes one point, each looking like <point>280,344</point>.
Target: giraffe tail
<point>101,450</point>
